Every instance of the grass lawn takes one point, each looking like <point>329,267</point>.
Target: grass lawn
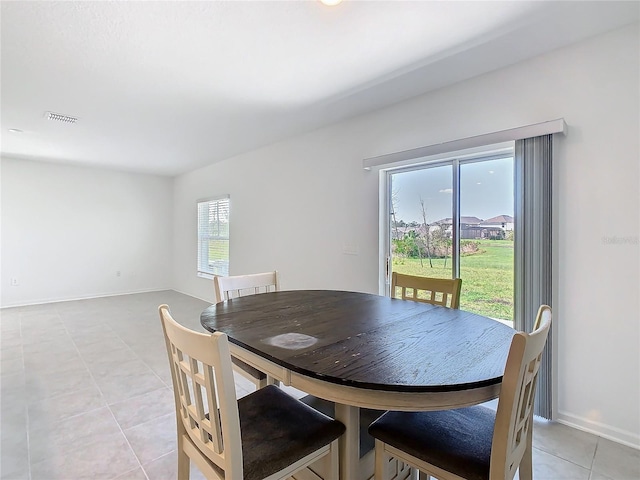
<point>487,277</point>
<point>218,249</point>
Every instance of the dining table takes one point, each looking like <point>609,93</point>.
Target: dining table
<point>366,351</point>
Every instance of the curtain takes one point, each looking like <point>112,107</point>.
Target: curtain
<point>533,254</point>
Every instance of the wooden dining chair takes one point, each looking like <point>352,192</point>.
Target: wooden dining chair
<point>437,291</point>
<point>264,435</point>
<point>238,286</point>
<point>474,443</point>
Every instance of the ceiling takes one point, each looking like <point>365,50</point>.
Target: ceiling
<point>166,87</point>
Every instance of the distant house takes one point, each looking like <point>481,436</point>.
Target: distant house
<point>470,228</point>
<point>474,228</point>
<point>503,221</point>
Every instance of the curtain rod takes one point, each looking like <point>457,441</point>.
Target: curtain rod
<point>518,133</point>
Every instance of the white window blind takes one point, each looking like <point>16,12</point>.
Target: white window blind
<point>213,236</point>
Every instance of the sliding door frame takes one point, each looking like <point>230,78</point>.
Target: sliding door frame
<point>386,206</point>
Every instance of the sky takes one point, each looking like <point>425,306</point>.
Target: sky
<point>486,190</point>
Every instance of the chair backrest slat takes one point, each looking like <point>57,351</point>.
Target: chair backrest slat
<point>209,385</point>
<point>437,291</point>
<point>240,285</point>
<point>205,394</point>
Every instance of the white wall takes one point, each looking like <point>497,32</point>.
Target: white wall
<point>297,203</point>
<point>67,230</point>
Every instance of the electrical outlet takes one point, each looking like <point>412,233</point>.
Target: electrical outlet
<point>14,282</point>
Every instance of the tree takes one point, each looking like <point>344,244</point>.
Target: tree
<point>394,202</point>
<point>427,234</point>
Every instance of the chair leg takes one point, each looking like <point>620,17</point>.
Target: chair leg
<point>334,463</point>
<point>184,462</point>
<point>525,471</point>
<point>380,472</point>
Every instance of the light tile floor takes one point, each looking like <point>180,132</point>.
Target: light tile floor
<point>86,394</point>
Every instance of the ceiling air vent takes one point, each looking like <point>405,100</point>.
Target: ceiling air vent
<point>58,117</point>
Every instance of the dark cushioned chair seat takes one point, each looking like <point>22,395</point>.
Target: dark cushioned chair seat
<point>458,441</point>
<point>254,372</point>
<point>277,430</point>
<point>367,442</point>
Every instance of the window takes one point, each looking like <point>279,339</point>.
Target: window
<point>213,236</point>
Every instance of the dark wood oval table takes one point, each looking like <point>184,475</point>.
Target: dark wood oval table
<point>364,350</point>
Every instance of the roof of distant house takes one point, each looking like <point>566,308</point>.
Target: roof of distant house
<point>463,221</point>
<point>499,219</point>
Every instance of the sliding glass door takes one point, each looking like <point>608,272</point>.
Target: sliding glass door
<point>486,237</point>
<point>455,218</point>
<point>420,242</point>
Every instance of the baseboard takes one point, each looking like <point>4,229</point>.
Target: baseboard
<point>606,431</point>
<point>191,295</point>
<point>87,297</point>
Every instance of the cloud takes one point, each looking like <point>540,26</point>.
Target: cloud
<point>446,190</point>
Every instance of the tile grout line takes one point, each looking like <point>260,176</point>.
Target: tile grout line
<point>24,367</point>
<point>102,394</point>
<point>595,451</point>
<point>138,356</point>
<point>132,312</point>
<point>161,380</point>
